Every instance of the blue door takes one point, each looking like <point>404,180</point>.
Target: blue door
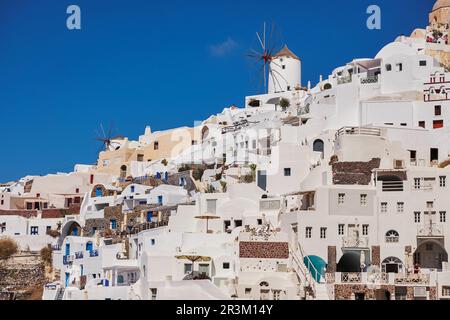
<point>75,232</point>
<point>166,176</point>
<point>67,249</point>
<point>160,200</point>
<point>149,216</point>
<point>98,192</point>
<point>67,279</point>
<point>89,246</point>
<point>158,175</point>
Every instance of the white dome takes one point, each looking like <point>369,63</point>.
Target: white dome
<point>395,48</point>
<point>441,4</point>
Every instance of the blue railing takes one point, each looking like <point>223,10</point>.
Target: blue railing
<point>79,255</point>
<point>65,260</point>
<point>93,253</point>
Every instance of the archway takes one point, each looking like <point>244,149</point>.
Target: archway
<point>382,294</point>
<point>430,254</point>
<point>351,262</point>
<point>318,146</point>
<point>71,228</point>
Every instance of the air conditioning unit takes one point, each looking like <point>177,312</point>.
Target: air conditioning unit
<point>420,292</point>
<point>399,164</point>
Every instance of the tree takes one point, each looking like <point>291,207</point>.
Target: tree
<point>46,255</point>
<point>284,103</point>
<point>164,162</point>
<point>8,248</point>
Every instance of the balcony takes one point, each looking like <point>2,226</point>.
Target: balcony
<point>355,242</point>
<point>433,230</point>
<point>343,80</point>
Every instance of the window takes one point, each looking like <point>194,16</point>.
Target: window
<point>140,157</point>
<point>400,207</point>
<point>29,206</point>
<point>383,207</point>
<point>187,268</point>
<point>392,236</point>
<point>237,223</point>
<point>259,221</point>
<point>113,224</point>
<point>248,290</point>
<point>154,292</point>
<point>422,63</point>
<point>132,188</point>
<point>211,205</point>
<point>2,202</point>
<point>388,67</point>
<point>341,229</point>
<point>437,110</point>
<point>194,142</point>
<point>365,229</point>
<point>417,182</point>
<point>443,216</point>
<point>287,172</point>
<point>308,234</point>
<point>442,181</point>
<point>437,124</point>
<point>422,124</point>
<point>430,204</point>
<point>417,217</point>
<point>399,67</point>
<point>34,231</point>
<point>226,265</point>
<point>341,198</point>
<point>77,190</point>
<point>155,145</point>
<point>323,233</point>
<point>152,242</point>
<point>429,247</point>
<point>363,199</point>
<point>446,291</point>
<point>283,67</point>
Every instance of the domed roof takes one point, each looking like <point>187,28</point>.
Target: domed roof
<point>285,52</point>
<point>441,4</point>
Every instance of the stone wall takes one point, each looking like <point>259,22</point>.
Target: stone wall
<point>331,266</point>
<point>264,250</point>
<point>376,259</point>
<point>357,172</point>
<point>347,291</point>
<point>100,224</point>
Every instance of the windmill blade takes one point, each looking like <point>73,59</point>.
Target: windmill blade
<point>260,41</point>
<point>103,130</point>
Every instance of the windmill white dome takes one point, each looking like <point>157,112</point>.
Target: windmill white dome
<point>441,4</point>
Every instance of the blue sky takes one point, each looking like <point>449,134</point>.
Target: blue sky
<point>162,63</point>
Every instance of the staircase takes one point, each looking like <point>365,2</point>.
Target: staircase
<point>60,294</point>
<point>315,290</point>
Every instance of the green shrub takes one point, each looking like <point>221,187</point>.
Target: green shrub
<point>8,248</point>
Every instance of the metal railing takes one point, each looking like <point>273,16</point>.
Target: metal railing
<point>433,230</point>
<point>355,242</point>
<point>366,131</point>
<point>79,255</point>
<point>93,253</point>
<point>369,80</point>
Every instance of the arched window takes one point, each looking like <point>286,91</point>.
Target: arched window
<point>392,236</point>
<point>264,284</point>
<point>392,265</point>
<point>318,146</point>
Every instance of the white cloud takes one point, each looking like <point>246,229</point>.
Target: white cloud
<point>223,48</point>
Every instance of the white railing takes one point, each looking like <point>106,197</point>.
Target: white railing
<point>415,278</point>
<point>433,230</point>
<point>366,131</point>
<point>354,242</point>
<point>351,277</point>
<point>343,80</point>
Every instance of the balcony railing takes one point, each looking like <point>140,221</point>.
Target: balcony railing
<point>79,255</point>
<point>433,230</point>
<point>369,80</point>
<point>415,278</point>
<point>343,80</point>
<point>56,247</point>
<point>67,260</point>
<point>93,253</point>
<point>348,277</point>
<point>366,131</point>
<point>354,242</point>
